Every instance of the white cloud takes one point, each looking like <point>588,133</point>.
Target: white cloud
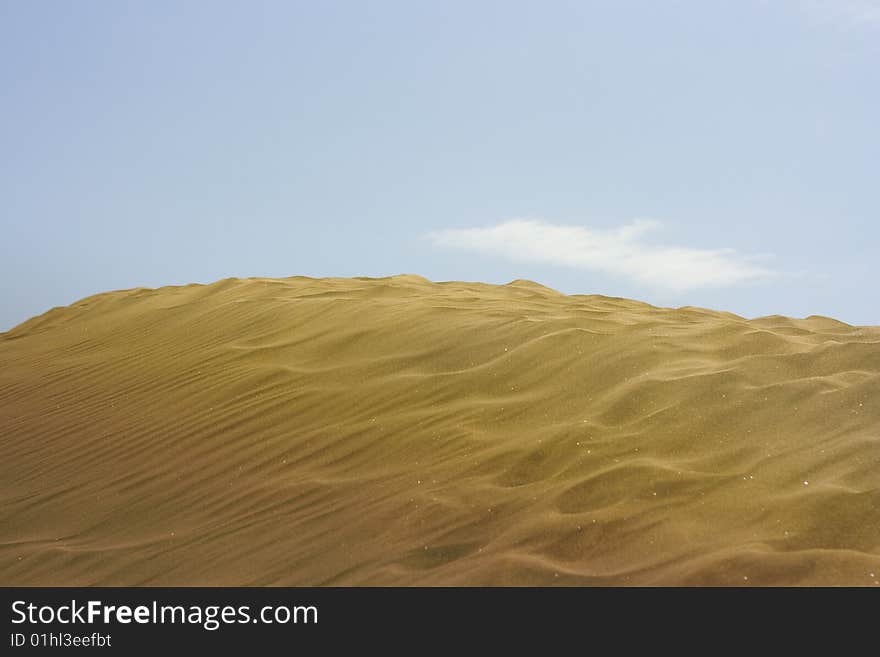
<point>845,12</point>
<point>620,251</point>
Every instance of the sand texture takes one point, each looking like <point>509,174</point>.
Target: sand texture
<point>401,432</point>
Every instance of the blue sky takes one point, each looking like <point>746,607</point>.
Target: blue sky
<point>719,154</point>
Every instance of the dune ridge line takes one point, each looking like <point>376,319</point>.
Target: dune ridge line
<point>398,431</point>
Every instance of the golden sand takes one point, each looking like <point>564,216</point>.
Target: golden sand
<point>401,432</point>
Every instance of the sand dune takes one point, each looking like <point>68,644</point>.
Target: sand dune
<point>401,432</point>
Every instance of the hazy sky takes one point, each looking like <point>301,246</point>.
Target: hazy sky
<point>719,154</point>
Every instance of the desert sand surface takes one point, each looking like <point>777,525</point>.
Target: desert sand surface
<point>397,431</point>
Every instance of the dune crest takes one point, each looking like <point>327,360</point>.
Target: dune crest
<point>396,431</point>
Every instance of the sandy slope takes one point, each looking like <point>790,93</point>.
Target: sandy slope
<point>397,431</point>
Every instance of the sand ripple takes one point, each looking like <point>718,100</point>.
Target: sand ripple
<point>401,432</point>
